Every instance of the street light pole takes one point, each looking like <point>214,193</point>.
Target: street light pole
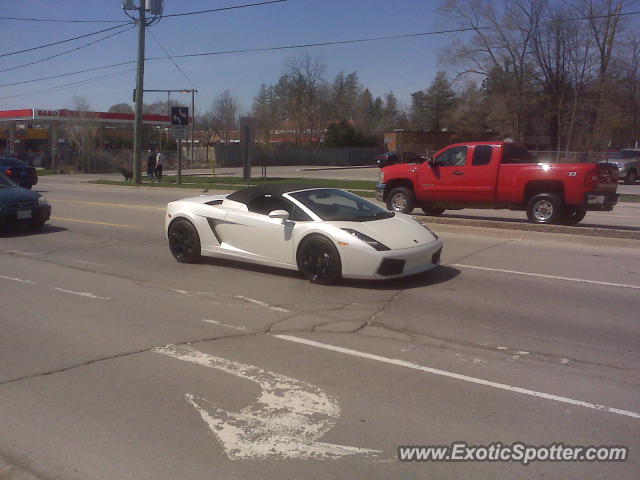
<point>137,129</point>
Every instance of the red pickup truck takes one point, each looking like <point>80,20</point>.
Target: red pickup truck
<point>499,175</point>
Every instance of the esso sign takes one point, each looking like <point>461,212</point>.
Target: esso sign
<point>46,113</point>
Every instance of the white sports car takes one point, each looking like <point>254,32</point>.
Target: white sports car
<point>326,233</point>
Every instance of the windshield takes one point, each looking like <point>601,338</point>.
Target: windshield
<point>625,154</point>
<point>5,182</point>
<point>332,204</point>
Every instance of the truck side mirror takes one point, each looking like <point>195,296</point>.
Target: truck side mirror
<point>433,162</point>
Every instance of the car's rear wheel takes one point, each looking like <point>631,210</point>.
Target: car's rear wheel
<point>434,211</point>
<point>545,208</point>
<point>401,199</point>
<point>184,241</point>
<point>574,215</point>
<point>319,260</point>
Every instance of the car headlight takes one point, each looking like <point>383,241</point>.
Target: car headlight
<point>366,239</point>
<point>42,202</point>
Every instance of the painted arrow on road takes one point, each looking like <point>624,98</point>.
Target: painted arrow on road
<point>285,420</point>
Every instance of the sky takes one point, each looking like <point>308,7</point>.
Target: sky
<point>401,65</point>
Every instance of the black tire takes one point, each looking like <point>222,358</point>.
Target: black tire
<point>401,199</point>
<point>184,241</point>
<point>631,177</point>
<point>574,215</point>
<point>545,208</point>
<point>319,261</point>
<point>433,211</point>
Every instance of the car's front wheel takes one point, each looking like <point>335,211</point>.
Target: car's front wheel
<point>184,241</point>
<point>401,199</point>
<point>319,260</point>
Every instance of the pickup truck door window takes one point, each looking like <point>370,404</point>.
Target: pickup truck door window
<point>444,180</point>
<point>482,176</point>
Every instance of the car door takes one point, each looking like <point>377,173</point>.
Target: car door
<point>258,235</point>
<point>443,178</point>
<point>481,176</point>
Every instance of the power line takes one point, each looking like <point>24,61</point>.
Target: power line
<point>53,20</point>
<point>287,47</point>
<point>64,41</point>
<point>66,52</point>
<point>172,60</point>
<point>223,9</point>
<point>70,85</point>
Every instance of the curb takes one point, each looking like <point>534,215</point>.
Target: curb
<point>532,227</point>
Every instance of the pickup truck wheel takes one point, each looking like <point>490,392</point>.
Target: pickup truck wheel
<point>631,177</point>
<point>545,208</point>
<point>401,200</point>
<point>574,215</point>
<point>433,211</point>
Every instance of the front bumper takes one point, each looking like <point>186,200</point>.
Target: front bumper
<point>24,215</point>
<point>601,201</point>
<point>375,265</point>
<point>380,191</point>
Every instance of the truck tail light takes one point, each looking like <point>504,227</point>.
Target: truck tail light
<point>8,172</point>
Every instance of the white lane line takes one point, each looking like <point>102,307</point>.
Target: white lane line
<point>553,277</point>
<point>19,280</point>
<point>81,294</point>
<point>89,263</point>
<point>261,303</point>
<point>458,376</point>
<point>226,325</point>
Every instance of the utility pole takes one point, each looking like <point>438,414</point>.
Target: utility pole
<point>137,128</point>
<point>155,8</point>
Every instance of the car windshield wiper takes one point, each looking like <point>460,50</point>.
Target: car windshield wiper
<point>375,216</point>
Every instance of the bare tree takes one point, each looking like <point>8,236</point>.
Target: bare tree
<point>83,131</point>
<point>224,114</point>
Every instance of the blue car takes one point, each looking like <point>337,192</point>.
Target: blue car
<point>18,171</point>
<point>19,206</point>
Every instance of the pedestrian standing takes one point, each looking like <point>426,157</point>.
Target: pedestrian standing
<point>160,158</point>
<point>151,163</point>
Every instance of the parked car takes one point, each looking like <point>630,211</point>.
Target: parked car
<point>391,158</point>
<point>18,171</point>
<point>325,233</point>
<point>627,161</point>
<point>19,206</point>
<point>499,175</point>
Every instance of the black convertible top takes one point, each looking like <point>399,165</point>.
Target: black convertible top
<point>276,189</point>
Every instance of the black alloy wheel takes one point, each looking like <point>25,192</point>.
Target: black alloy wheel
<point>319,260</point>
<point>184,241</point>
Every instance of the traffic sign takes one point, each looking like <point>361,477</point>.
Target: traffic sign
<point>180,116</point>
<point>179,131</point>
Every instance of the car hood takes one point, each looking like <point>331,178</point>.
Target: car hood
<point>17,194</point>
<point>398,232</point>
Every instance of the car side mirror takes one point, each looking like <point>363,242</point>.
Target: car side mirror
<point>281,214</point>
<point>433,162</point>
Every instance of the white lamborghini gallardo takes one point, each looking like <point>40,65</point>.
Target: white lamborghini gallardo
<point>326,233</point>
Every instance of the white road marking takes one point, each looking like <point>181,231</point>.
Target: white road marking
<point>284,421</point>
<point>20,280</point>
<point>458,376</point>
<point>553,277</point>
<point>81,294</point>
<point>90,263</point>
<point>261,303</point>
<point>215,322</point>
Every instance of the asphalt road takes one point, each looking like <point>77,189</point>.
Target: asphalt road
<point>119,363</point>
